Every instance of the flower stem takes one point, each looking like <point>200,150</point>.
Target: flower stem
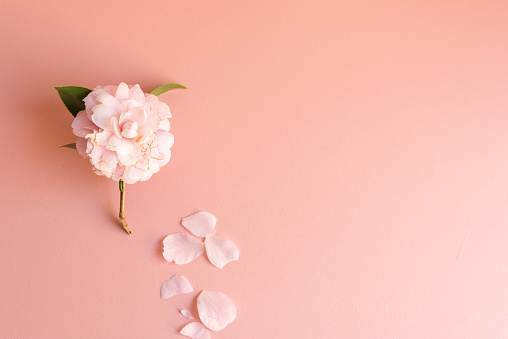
<point>121,185</point>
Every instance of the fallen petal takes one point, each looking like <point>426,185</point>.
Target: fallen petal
<point>215,310</point>
<point>177,284</point>
<point>195,331</point>
<point>220,251</point>
<point>187,314</point>
<point>200,224</point>
<point>182,248</point>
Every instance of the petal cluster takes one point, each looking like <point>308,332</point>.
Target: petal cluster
<point>124,132</point>
<point>215,309</point>
<point>182,248</point>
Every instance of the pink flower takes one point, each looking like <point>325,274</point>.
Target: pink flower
<point>124,132</point>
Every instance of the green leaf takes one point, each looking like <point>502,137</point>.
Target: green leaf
<point>73,145</point>
<point>72,97</point>
<point>167,87</point>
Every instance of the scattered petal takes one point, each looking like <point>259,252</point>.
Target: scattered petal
<point>187,314</point>
<point>215,310</point>
<point>177,284</point>
<point>195,331</point>
<point>200,224</point>
<point>220,251</point>
<point>182,248</point>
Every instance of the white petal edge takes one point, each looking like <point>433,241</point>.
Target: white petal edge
<point>220,251</point>
<point>215,310</point>
<point>187,314</point>
<point>182,248</point>
<point>195,330</point>
<point>177,284</point>
<point>200,224</point>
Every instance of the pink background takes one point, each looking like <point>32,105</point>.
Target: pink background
<point>355,151</point>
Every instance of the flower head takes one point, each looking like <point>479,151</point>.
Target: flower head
<point>124,132</point>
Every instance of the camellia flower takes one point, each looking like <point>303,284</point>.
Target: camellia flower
<point>123,132</point>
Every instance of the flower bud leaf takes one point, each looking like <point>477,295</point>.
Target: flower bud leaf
<point>72,97</point>
<point>164,88</point>
<point>73,146</point>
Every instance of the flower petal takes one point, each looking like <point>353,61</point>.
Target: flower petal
<point>134,115</point>
<point>195,330</point>
<point>144,135</point>
<point>177,284</point>
<point>101,116</point>
<point>215,310</point>
<point>104,139</point>
<point>164,141</point>
<point>115,126</point>
<point>109,100</point>
<point>81,125</point>
<point>129,133</point>
<point>81,144</point>
<point>220,251</point>
<point>200,224</point>
<point>125,146</point>
<point>187,314</point>
<point>129,159</point>
<point>137,94</point>
<point>164,125</point>
<point>130,175</point>
<point>122,92</point>
<point>131,104</point>
<point>110,158</point>
<point>182,248</point>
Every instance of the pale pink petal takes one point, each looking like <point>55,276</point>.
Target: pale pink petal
<point>137,94</point>
<point>187,314</point>
<point>144,135</point>
<point>81,144</point>
<point>161,109</point>
<point>177,284</point>
<point>124,147</point>
<point>164,125</point>
<point>130,175</point>
<point>182,248</point>
<point>116,126</point>
<point>215,310</point>
<point>137,114</point>
<point>109,100</point>
<point>130,129</point>
<point>81,125</point>
<point>128,133</point>
<point>122,92</point>
<point>101,116</point>
<point>220,251</point>
<point>200,224</point>
<point>131,104</point>
<point>154,165</point>
<point>195,331</point>
<point>129,159</point>
<point>110,158</point>
<point>164,141</point>
<point>104,138</point>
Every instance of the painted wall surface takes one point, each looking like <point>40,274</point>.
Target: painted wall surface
<point>355,151</point>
